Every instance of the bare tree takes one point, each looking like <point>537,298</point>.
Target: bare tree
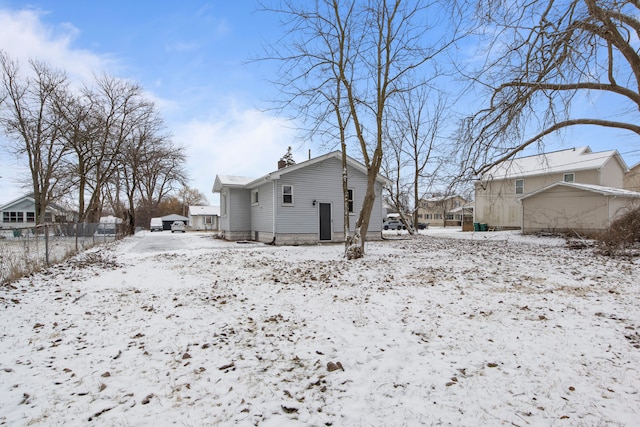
<point>161,175</point>
<point>191,197</point>
<point>133,154</point>
<point>78,130</point>
<point>118,108</point>
<point>344,62</point>
<point>414,139</point>
<point>29,117</point>
<point>546,57</point>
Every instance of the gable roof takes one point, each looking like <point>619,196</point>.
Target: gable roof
<point>230,181</point>
<point>51,207</point>
<point>244,182</point>
<point>570,160</point>
<point>174,217</point>
<point>204,210</point>
<point>332,155</point>
<point>599,189</point>
<point>442,198</point>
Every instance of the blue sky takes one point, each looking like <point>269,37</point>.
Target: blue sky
<point>191,57</point>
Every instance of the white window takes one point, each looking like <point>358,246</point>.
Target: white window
<point>569,177</point>
<point>13,217</point>
<point>350,199</point>
<point>287,194</point>
<point>519,186</point>
<point>254,197</point>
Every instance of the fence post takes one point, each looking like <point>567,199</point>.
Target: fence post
<point>46,245</point>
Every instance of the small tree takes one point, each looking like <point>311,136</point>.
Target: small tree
<point>288,158</point>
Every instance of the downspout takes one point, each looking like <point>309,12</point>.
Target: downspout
<point>609,211</point>
<point>275,211</point>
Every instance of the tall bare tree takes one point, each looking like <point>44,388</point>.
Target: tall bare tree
<point>133,154</point>
<point>118,107</point>
<point>29,117</point>
<point>547,61</point>
<point>162,174</point>
<point>78,131</point>
<point>346,59</point>
<point>415,137</point>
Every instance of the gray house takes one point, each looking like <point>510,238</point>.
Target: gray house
<point>21,212</point>
<point>297,204</point>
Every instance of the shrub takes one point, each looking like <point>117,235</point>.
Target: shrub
<point>623,236</point>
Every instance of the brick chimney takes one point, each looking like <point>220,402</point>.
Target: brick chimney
<point>282,164</point>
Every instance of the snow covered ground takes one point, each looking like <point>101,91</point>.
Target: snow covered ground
<point>448,328</point>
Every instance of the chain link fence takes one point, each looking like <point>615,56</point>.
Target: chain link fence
<point>26,250</point>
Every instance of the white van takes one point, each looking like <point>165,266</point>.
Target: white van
<point>156,224</point>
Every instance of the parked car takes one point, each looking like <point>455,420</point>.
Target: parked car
<point>393,224</point>
<point>423,225</point>
<point>177,226</point>
<point>156,224</point>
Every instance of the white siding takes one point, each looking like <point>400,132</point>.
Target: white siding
<point>262,213</point>
<point>238,209</point>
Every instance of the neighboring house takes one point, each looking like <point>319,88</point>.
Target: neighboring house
<point>204,217</point>
<point>21,212</point>
<point>109,226</point>
<point>297,204</point>
<point>632,178</point>
<point>441,210</point>
<point>498,192</point>
<point>574,207</point>
<point>167,220</point>
<point>465,213</point>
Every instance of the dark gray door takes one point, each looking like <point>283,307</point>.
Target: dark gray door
<point>325,221</point>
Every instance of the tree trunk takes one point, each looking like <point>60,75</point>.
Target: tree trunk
<point>356,249</point>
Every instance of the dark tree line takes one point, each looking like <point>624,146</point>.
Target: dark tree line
<point>102,147</point>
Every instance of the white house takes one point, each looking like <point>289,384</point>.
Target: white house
<point>298,204</point>
<point>204,217</point>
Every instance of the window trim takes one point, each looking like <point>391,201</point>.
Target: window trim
<point>519,187</point>
<point>350,204</point>
<point>571,174</point>
<point>255,199</point>
<point>290,194</point>
<point>13,217</point>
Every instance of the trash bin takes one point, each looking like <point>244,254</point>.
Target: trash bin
<point>476,226</point>
<point>484,227</point>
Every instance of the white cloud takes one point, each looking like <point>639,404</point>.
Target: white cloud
<point>219,135</point>
<point>244,142</point>
<point>23,36</point>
